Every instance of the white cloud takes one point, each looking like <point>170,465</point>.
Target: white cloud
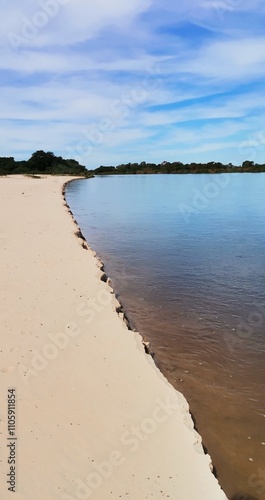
<point>65,22</point>
<point>229,59</point>
<point>231,107</point>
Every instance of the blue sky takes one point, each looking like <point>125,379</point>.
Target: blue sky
<point>116,82</point>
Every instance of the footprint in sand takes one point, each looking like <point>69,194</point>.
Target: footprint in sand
<point>7,369</point>
<point>14,349</point>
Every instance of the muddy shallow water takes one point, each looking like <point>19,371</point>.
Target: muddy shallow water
<point>186,258</point>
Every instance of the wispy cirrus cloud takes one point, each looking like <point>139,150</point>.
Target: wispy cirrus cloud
<point>67,22</point>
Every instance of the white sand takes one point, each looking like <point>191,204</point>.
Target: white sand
<point>95,417</point>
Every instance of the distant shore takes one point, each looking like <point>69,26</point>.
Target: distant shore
<point>180,168</point>
<point>95,418</point>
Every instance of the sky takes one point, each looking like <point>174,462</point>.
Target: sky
<point>111,82</point>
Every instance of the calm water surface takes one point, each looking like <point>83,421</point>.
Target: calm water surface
<point>186,256</point>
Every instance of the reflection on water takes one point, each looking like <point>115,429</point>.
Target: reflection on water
<point>186,256</point>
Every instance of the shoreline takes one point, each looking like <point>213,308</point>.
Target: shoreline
<point>96,420</point>
<point>120,310</point>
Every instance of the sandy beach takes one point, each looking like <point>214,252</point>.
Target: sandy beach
<point>95,418</point>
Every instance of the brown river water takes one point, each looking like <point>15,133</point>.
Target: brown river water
<point>186,258</point>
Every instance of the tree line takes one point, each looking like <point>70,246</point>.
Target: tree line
<point>178,168</point>
<point>42,162</point>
